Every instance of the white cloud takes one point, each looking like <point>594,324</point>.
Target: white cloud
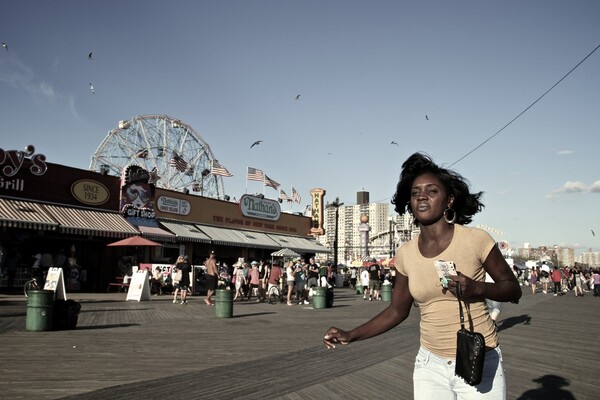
<point>46,90</point>
<point>576,187</point>
<point>595,188</point>
<point>21,77</point>
<point>564,152</point>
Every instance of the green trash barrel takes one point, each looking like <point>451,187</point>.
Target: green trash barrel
<point>318,297</point>
<point>224,303</point>
<point>40,310</point>
<point>386,292</point>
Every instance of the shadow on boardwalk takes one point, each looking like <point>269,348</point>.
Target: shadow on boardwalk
<point>157,350</point>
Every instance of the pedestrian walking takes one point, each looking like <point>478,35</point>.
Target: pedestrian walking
<point>442,204</point>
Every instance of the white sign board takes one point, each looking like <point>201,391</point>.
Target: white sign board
<point>55,281</point>
<point>139,286</point>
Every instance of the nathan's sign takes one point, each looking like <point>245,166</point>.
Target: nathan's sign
<point>256,207</point>
<point>90,192</point>
<point>317,195</point>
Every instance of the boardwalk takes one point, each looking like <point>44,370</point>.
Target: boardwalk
<point>159,350</point>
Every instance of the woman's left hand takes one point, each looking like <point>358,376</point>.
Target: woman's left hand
<point>468,287</point>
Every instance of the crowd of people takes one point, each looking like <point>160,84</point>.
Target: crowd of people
<point>293,278</point>
<point>560,280</point>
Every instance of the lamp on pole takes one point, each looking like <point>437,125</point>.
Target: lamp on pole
<point>336,204</point>
<point>391,236</point>
<point>200,186</point>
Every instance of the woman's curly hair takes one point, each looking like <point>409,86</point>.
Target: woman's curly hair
<point>466,204</point>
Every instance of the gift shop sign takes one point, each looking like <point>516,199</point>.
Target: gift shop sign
<point>173,206</point>
<point>253,206</point>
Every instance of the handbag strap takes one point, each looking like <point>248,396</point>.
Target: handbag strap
<point>462,316</point>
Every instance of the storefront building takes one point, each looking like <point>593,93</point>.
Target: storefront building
<point>51,209</point>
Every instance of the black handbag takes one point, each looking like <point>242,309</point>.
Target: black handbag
<point>470,350</point>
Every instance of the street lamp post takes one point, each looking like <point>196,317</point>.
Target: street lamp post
<point>337,205</point>
<point>391,237</point>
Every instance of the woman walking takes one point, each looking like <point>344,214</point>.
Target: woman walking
<point>442,204</point>
<point>533,278</point>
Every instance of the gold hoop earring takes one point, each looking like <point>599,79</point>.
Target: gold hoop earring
<point>450,221</point>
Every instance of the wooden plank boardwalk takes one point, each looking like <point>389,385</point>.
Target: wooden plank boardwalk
<point>160,350</point>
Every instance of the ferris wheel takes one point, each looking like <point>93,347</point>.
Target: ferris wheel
<point>176,157</point>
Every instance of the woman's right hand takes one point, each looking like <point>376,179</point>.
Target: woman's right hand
<point>335,336</point>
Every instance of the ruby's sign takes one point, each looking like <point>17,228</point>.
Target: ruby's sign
<point>256,207</point>
<point>12,161</point>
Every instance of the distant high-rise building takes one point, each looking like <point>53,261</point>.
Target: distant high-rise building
<point>362,198</point>
<point>379,237</point>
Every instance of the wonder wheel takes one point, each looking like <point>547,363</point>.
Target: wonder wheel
<point>175,155</point>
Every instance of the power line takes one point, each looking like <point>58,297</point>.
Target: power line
<point>526,109</point>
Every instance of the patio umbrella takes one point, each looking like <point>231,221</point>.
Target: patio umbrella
<point>285,253</point>
<point>135,241</point>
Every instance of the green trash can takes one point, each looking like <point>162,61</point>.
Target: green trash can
<point>40,310</point>
<point>386,292</point>
<point>224,303</point>
<point>318,298</point>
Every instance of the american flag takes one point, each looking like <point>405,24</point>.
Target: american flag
<point>254,174</point>
<point>271,182</point>
<point>178,162</point>
<point>284,196</point>
<point>296,196</point>
<point>218,169</point>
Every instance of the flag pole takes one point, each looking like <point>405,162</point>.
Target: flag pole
<point>246,179</point>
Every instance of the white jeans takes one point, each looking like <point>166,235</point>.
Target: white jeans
<point>434,378</point>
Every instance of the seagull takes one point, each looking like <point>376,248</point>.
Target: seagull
<point>395,143</point>
<point>256,143</point>
<point>90,56</point>
<point>593,233</point>
<point>92,88</point>
<point>298,97</point>
<point>5,46</point>
<point>427,118</point>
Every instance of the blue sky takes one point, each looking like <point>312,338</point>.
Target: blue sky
<point>368,74</point>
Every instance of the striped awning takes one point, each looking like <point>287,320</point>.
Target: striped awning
<point>155,233</point>
<point>25,214</point>
<point>300,244</point>
<point>223,236</point>
<point>79,221</point>
<point>186,232</point>
<point>258,240</point>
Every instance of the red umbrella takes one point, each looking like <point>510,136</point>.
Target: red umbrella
<point>135,241</point>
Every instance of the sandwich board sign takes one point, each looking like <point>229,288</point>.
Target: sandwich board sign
<point>139,286</point>
<point>55,281</point>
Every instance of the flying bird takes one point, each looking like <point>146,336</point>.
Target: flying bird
<point>427,118</point>
<point>395,143</point>
<point>90,56</point>
<point>593,233</point>
<point>256,143</point>
<point>92,88</point>
<point>298,97</point>
<point>5,46</point>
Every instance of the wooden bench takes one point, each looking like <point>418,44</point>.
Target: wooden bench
<point>119,284</point>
